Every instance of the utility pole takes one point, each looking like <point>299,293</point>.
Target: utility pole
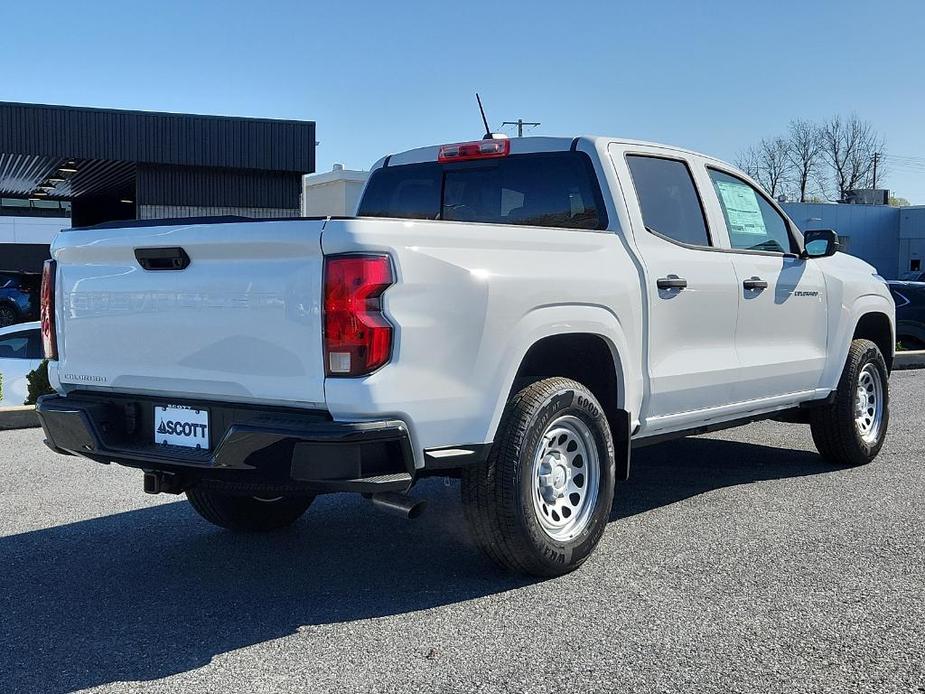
<point>876,159</point>
<point>520,123</point>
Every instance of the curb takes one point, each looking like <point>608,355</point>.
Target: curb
<point>18,417</point>
<point>914,359</point>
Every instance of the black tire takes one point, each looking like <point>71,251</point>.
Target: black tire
<point>8,315</point>
<point>835,432</point>
<point>247,513</point>
<point>498,494</point>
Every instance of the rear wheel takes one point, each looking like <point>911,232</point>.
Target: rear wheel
<point>852,429</point>
<point>541,501</point>
<point>253,513</point>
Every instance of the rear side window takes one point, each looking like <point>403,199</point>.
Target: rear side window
<point>552,189</point>
<point>668,199</point>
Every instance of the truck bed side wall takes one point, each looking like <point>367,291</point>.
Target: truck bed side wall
<point>470,301</point>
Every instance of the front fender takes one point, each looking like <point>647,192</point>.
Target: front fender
<point>842,328</point>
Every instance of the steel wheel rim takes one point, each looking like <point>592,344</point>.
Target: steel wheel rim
<point>868,404</point>
<point>565,478</point>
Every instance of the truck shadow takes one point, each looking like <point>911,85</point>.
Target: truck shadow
<point>663,474</point>
<point>153,592</point>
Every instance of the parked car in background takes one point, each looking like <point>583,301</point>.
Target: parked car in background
<point>20,353</point>
<point>913,276</point>
<point>19,297</point>
<point>910,313</point>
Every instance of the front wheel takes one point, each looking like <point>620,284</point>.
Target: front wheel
<point>248,513</point>
<point>852,429</point>
<point>541,501</point>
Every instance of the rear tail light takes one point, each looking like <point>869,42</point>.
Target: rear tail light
<point>357,336</point>
<point>47,311</point>
<point>479,149</point>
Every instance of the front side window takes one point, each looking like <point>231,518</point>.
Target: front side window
<point>668,199</point>
<point>753,224</point>
<point>550,189</point>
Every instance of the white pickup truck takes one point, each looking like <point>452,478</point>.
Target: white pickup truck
<point>518,313</point>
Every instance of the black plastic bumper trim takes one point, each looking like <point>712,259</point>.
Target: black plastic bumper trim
<point>256,445</point>
<point>453,457</point>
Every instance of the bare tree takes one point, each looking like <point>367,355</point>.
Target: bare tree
<point>767,163</point>
<point>848,147</point>
<point>774,164</point>
<point>747,161</point>
<point>804,152</point>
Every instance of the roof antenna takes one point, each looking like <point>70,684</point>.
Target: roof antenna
<point>488,135</point>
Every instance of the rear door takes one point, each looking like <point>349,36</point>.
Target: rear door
<point>691,288</point>
<point>241,322</point>
<point>782,328</point>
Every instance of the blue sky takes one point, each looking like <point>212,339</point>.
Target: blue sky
<point>379,77</point>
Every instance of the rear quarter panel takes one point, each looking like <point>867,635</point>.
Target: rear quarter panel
<point>469,302</point>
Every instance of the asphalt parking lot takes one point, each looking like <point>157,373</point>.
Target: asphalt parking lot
<point>736,562</point>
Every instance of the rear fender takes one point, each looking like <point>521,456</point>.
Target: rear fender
<point>548,321</point>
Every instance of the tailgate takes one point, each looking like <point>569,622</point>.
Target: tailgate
<point>241,322</point>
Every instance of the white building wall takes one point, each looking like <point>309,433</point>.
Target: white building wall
<point>31,229</point>
<point>335,193</point>
<point>912,238</point>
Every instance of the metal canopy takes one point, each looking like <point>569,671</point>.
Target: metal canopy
<point>22,174</point>
<point>63,152</point>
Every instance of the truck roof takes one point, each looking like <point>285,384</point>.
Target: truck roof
<point>528,145</point>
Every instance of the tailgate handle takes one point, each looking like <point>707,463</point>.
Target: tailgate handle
<point>174,258</point>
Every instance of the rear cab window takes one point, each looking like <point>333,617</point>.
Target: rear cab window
<point>548,189</point>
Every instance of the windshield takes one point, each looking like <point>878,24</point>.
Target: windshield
<point>550,189</point>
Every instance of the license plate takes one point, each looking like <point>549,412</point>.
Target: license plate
<point>181,426</point>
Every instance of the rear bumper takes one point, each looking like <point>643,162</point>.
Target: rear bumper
<point>251,448</point>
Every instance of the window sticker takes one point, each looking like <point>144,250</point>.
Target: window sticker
<point>742,211</point>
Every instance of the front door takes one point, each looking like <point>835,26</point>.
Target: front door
<point>781,330</point>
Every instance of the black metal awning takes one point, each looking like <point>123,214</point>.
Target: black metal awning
<point>63,152</point>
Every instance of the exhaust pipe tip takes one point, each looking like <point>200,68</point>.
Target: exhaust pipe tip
<point>400,504</point>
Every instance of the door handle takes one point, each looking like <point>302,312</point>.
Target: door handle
<point>755,283</point>
<point>174,258</point>
<point>671,282</point>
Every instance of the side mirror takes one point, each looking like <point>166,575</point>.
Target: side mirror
<point>819,243</point>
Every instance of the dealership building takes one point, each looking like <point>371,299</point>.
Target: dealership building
<point>62,166</point>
